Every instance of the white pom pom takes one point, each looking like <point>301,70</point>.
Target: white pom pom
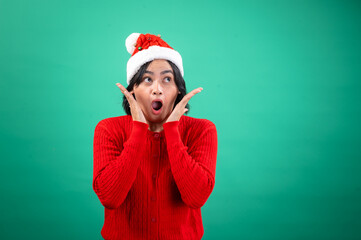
<point>131,41</point>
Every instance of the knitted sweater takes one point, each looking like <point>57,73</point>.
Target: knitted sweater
<point>153,184</point>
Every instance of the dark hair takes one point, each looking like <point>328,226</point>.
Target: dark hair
<point>137,78</point>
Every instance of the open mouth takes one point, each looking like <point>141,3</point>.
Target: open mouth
<point>157,105</point>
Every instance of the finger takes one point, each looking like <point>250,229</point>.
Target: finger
<point>193,92</point>
<point>187,97</point>
<point>129,96</point>
<point>123,89</point>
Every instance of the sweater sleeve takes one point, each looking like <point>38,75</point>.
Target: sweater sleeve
<point>193,170</point>
<point>115,166</point>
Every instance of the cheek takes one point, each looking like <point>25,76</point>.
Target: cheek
<point>139,93</point>
<point>139,97</point>
<point>172,97</point>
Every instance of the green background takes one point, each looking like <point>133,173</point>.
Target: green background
<point>281,82</point>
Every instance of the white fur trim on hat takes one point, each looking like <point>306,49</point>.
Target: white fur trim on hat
<point>149,54</point>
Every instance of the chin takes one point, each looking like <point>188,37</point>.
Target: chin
<point>158,118</point>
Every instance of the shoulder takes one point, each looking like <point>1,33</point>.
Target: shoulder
<point>196,131</point>
<point>115,124</point>
<point>196,124</point>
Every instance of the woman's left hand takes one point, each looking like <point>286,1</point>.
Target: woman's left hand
<point>180,109</point>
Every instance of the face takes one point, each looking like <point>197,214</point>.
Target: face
<point>157,84</point>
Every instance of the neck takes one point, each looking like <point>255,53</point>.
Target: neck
<point>155,127</point>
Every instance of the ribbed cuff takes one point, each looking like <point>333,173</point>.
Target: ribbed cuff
<point>171,132</point>
<point>139,131</point>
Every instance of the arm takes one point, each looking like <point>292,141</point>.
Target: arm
<point>115,167</point>
<point>193,170</point>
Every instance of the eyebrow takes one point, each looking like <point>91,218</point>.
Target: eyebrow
<point>164,72</point>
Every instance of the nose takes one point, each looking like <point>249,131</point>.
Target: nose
<point>157,89</point>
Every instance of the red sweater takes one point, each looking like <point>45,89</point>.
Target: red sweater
<point>153,184</point>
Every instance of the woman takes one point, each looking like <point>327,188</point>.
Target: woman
<point>154,168</point>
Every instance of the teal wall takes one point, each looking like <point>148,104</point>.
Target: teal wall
<point>281,82</point>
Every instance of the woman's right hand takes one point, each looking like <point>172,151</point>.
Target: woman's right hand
<point>137,113</point>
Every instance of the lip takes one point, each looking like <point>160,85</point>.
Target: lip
<point>156,112</point>
<point>158,100</point>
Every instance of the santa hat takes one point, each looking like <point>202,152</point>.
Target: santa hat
<point>147,47</point>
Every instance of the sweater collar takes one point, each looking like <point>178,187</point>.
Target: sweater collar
<point>160,134</point>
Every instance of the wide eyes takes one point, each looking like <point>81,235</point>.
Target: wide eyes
<point>148,79</point>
